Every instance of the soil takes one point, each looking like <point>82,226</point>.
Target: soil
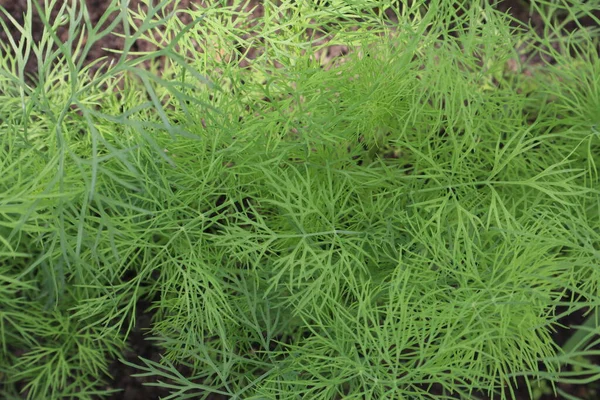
<point>133,388</point>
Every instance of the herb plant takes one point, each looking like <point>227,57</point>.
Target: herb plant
<point>410,221</point>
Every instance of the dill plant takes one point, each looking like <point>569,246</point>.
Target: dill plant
<point>409,222</point>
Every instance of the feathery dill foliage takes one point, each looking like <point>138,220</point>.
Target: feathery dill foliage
<point>408,223</point>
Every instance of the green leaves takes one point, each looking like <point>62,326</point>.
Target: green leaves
<point>359,229</point>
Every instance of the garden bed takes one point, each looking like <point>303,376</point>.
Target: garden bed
<point>301,200</point>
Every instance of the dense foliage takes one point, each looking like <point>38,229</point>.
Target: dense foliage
<point>410,221</point>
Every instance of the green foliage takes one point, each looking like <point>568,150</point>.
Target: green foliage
<point>409,222</point>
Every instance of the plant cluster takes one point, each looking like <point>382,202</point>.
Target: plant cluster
<point>409,222</point>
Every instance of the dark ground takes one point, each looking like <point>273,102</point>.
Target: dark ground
<point>133,388</point>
